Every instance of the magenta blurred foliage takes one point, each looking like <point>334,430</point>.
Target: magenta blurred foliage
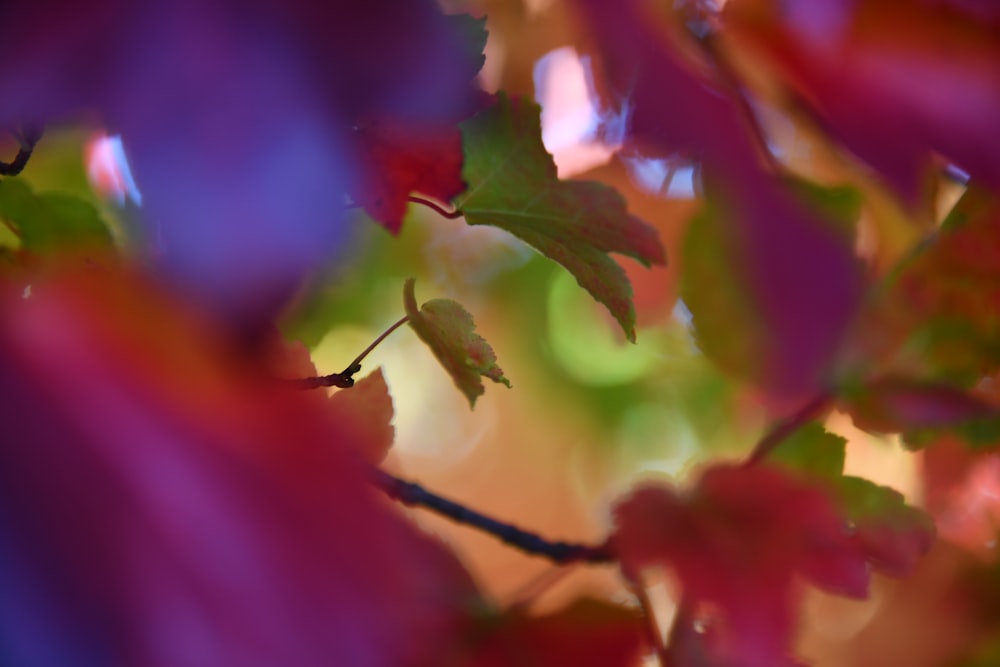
<point>236,116</point>
<point>894,100</point>
<point>162,507</point>
<point>803,277</point>
<point>739,541</point>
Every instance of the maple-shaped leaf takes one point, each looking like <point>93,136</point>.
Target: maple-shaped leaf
<point>512,184</point>
<point>892,534</point>
<point>737,540</point>
<point>366,411</point>
<point>893,97</point>
<point>922,410</point>
<point>175,506</point>
<point>588,633</point>
<point>448,329</point>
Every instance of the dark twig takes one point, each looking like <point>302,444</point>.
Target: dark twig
<point>413,494</point>
<point>342,380</point>
<point>785,428</point>
<point>345,378</point>
<point>26,140</point>
<point>451,215</point>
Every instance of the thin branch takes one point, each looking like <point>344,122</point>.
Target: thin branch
<point>341,380</point>
<point>451,215</point>
<point>345,378</point>
<point>413,494</point>
<point>785,428</point>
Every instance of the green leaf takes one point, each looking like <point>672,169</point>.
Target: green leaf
<point>449,331</point>
<point>728,328</point>
<point>893,534</point>
<point>812,450</point>
<point>513,185</point>
<point>51,220</point>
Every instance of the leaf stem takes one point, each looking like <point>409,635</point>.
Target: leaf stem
<point>345,378</point>
<point>451,215</point>
<point>412,494</point>
<point>356,364</point>
<point>786,427</point>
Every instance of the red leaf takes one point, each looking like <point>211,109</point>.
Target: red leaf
<point>737,541</point>
<point>400,156</point>
<point>175,506</point>
<point>401,160</point>
<point>589,633</point>
<point>893,535</point>
<point>365,410</point>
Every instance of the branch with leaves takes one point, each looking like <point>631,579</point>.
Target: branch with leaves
<point>143,448</point>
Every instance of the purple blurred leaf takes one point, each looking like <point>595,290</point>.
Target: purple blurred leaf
<point>798,273</point>
<point>236,116</point>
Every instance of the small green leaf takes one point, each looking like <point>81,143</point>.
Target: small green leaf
<point>449,331</point>
<point>513,185</point>
<point>50,220</point>
<point>812,450</point>
<point>728,327</point>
